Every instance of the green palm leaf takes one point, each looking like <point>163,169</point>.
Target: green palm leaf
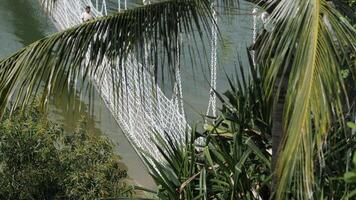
<point>56,62</point>
<point>306,45</point>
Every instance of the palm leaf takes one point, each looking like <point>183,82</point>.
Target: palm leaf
<point>310,39</point>
<point>60,60</point>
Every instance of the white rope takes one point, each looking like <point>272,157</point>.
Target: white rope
<point>254,34</point>
<point>178,85</point>
<point>213,68</point>
<point>263,18</point>
<point>105,8</point>
<point>141,110</point>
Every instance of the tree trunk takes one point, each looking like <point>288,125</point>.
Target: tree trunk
<point>277,128</point>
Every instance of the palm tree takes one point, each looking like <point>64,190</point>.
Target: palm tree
<point>305,50</point>
<point>302,51</point>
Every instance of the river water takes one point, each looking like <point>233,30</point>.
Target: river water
<point>23,22</point>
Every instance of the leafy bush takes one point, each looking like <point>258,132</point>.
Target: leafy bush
<point>38,160</point>
<point>350,177</point>
<point>231,159</point>
<point>335,155</point>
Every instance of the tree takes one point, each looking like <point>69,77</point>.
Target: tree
<point>38,160</point>
<point>309,40</point>
<point>307,44</point>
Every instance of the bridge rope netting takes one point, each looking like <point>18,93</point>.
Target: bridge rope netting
<point>143,111</point>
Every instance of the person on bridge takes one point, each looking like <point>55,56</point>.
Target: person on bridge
<point>87,16</point>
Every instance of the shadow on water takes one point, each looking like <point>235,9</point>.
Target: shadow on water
<point>28,23</point>
<point>69,112</point>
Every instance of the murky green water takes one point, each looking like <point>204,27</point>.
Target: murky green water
<point>22,22</point>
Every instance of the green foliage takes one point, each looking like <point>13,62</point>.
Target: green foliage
<point>336,158</point>
<point>345,73</point>
<point>306,48</point>
<point>351,125</point>
<point>350,177</point>
<point>229,160</point>
<point>225,166</point>
<point>309,44</point>
<point>38,160</point>
<point>233,159</point>
<point>62,58</point>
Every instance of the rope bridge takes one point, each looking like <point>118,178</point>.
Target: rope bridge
<point>144,111</point>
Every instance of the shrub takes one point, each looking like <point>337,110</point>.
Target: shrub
<point>350,177</point>
<point>38,160</point>
<point>230,159</point>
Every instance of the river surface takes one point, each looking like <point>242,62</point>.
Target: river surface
<point>23,22</point>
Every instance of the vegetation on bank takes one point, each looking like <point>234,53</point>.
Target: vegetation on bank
<point>38,160</point>
<point>350,177</point>
<point>298,103</point>
<point>232,158</point>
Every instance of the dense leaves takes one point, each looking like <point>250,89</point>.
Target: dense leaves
<point>231,159</point>
<point>307,45</point>
<point>350,177</point>
<point>336,157</point>
<point>38,160</point>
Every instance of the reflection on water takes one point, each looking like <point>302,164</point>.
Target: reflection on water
<point>22,22</point>
<point>99,121</point>
<point>24,19</point>
<point>69,110</point>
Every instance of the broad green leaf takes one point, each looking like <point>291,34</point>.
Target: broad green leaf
<point>350,177</point>
<point>351,125</point>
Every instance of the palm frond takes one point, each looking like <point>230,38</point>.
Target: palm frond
<point>307,45</point>
<point>60,60</point>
